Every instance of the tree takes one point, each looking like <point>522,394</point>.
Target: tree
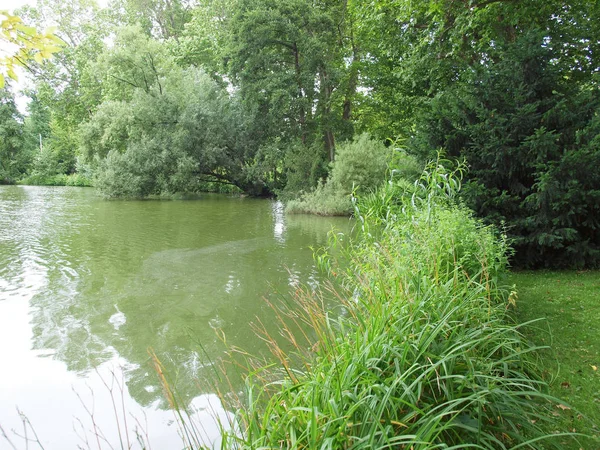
<point>512,87</point>
<point>523,114</point>
<point>175,133</point>
<point>134,61</point>
<point>161,19</point>
<point>291,60</point>
<point>13,161</point>
<point>66,84</point>
<point>531,142</point>
<point>65,87</point>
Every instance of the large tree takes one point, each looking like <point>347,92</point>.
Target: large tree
<point>293,61</point>
<point>65,87</point>
<point>161,19</point>
<point>512,87</point>
<point>162,128</point>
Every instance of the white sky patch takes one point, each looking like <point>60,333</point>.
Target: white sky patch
<point>11,5</point>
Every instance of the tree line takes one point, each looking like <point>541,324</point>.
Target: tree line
<point>152,97</point>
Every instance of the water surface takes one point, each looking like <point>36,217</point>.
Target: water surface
<point>88,286</point>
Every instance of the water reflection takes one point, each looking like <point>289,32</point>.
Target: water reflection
<point>92,284</point>
<point>278,222</point>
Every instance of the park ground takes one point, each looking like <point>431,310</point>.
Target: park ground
<point>568,304</point>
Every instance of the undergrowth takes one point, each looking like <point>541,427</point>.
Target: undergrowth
<point>359,168</point>
<point>421,352</point>
<point>62,179</point>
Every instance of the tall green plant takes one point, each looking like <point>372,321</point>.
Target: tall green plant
<point>423,354</point>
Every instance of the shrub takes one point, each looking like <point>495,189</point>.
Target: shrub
<point>323,201</point>
<point>360,164</point>
<point>303,167</point>
<point>360,167</point>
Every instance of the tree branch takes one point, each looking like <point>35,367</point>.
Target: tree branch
<point>292,47</point>
<point>124,81</point>
<point>489,2</point>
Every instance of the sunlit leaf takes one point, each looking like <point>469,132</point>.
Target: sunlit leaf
<point>30,31</point>
<point>11,73</point>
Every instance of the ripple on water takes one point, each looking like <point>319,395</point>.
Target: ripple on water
<point>90,281</point>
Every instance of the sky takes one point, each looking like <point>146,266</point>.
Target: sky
<point>11,5</point>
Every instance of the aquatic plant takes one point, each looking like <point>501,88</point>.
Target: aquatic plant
<point>421,353</point>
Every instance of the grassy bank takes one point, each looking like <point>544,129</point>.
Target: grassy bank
<point>421,354</point>
<point>570,304</point>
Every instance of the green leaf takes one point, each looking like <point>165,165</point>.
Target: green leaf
<point>11,73</point>
<point>30,31</point>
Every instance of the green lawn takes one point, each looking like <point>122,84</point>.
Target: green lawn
<point>570,304</point>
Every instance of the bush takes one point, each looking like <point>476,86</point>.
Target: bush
<point>303,167</point>
<point>360,164</point>
<point>360,167</point>
<point>323,201</point>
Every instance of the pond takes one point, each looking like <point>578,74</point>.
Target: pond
<point>88,287</point>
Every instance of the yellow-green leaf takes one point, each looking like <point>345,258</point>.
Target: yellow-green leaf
<point>11,73</point>
<point>30,31</point>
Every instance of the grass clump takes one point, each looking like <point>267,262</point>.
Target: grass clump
<point>423,354</point>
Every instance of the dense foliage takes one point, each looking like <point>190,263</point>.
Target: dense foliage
<point>360,167</point>
<point>511,87</point>
<point>153,97</point>
<point>423,355</point>
<point>13,161</point>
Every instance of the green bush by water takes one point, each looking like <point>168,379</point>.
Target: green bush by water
<point>421,354</point>
<point>360,167</point>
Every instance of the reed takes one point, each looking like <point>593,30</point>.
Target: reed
<point>420,353</point>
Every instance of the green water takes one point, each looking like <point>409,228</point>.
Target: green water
<point>87,286</point>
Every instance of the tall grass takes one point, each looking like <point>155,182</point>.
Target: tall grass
<point>420,354</point>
